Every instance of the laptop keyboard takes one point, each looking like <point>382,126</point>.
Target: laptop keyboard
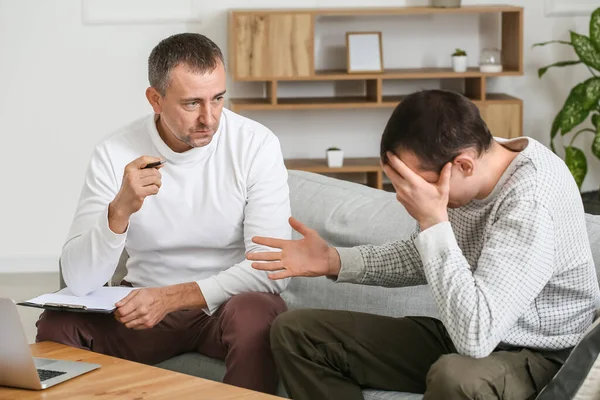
<point>46,374</point>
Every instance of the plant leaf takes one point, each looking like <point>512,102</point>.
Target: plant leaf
<point>596,145</point>
<point>577,164</point>
<point>552,41</point>
<point>582,99</point>
<point>585,49</point>
<point>543,70</point>
<point>596,142</point>
<point>554,131</point>
<point>595,28</point>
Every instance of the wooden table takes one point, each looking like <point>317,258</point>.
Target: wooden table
<point>122,379</point>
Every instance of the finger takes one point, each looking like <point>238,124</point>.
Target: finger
<point>127,298</point>
<point>299,227</point>
<point>137,323</point>
<point>397,180</point>
<point>125,310</point>
<point>281,275</point>
<point>402,169</point>
<point>145,322</point>
<point>270,242</point>
<point>445,176</point>
<point>151,180</point>
<point>141,162</point>
<point>150,190</point>
<point>264,256</point>
<point>142,173</point>
<point>131,316</point>
<point>270,266</point>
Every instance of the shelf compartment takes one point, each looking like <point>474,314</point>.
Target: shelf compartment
<point>321,103</point>
<point>397,73</point>
<point>303,103</point>
<point>370,166</point>
<point>345,12</point>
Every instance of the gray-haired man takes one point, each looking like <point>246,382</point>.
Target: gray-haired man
<point>186,226</point>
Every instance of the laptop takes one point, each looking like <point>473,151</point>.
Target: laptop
<point>17,366</point>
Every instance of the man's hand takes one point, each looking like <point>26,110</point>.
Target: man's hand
<point>142,308</point>
<point>425,202</point>
<point>138,183</point>
<point>310,256</point>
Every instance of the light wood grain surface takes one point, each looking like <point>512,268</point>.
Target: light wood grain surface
<point>119,379</point>
<point>272,46</point>
<point>423,10</point>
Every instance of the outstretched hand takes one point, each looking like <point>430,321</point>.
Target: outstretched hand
<point>309,256</point>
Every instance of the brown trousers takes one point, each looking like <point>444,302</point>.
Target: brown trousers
<point>237,333</point>
<point>335,354</point>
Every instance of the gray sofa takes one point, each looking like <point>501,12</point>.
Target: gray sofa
<point>346,214</point>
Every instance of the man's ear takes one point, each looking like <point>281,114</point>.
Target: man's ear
<point>154,98</point>
<point>465,163</point>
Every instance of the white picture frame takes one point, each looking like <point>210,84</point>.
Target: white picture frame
<point>561,8</point>
<point>364,52</point>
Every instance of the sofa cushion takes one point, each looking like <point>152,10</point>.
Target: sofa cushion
<point>348,214</point>
<point>385,395</point>
<point>322,293</point>
<point>209,368</point>
<point>345,213</point>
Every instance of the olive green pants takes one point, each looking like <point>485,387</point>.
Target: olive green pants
<point>335,354</point>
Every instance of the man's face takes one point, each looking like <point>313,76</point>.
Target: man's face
<point>463,184</point>
<point>190,110</point>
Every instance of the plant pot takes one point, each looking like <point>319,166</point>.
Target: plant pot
<point>335,158</point>
<point>591,202</point>
<point>445,3</point>
<point>459,63</point>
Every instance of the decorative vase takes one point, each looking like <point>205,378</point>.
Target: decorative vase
<point>335,158</point>
<point>445,3</point>
<point>459,63</point>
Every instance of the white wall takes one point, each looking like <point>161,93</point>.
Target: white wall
<point>65,84</point>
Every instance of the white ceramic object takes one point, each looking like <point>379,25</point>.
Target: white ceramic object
<point>335,158</point>
<point>490,69</point>
<point>445,3</point>
<point>459,63</point>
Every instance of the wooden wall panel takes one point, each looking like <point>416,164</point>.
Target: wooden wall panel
<point>250,46</point>
<point>273,46</point>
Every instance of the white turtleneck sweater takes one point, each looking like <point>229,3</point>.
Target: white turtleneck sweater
<point>199,226</point>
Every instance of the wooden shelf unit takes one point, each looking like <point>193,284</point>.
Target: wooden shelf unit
<point>369,166</point>
<point>277,45</point>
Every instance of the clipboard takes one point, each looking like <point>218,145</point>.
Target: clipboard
<point>101,300</point>
<point>66,307</point>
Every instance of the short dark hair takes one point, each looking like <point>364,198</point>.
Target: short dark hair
<point>435,125</point>
<point>196,51</point>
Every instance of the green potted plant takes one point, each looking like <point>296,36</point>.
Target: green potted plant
<point>459,60</point>
<point>582,105</point>
<point>335,157</point>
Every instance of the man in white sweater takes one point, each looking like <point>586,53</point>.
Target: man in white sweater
<point>501,240</point>
<point>186,225</point>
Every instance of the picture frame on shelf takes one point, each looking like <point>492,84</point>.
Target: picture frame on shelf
<point>364,52</point>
